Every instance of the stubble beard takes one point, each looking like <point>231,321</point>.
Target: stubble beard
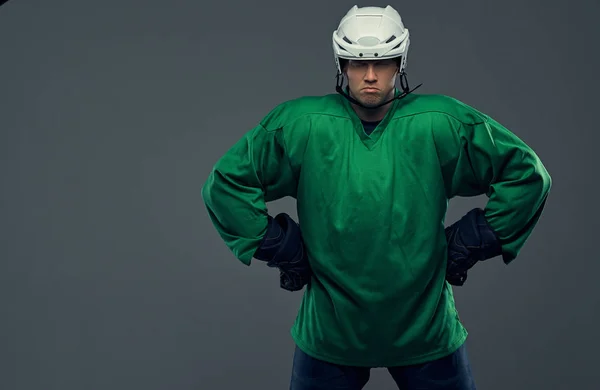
<point>371,99</point>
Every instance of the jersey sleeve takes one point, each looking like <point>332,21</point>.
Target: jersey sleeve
<point>489,159</point>
<point>254,171</point>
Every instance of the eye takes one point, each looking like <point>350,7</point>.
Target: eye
<point>384,64</point>
<point>358,64</point>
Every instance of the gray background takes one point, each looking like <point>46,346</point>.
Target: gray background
<point>112,114</point>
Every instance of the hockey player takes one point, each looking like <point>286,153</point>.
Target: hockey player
<point>372,168</point>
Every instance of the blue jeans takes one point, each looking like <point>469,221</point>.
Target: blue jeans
<point>452,372</point>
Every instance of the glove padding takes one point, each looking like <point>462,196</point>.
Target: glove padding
<point>470,240</point>
<point>283,248</point>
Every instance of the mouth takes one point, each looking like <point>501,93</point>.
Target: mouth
<point>370,89</point>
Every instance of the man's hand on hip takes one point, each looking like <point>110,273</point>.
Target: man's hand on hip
<point>470,240</point>
<point>283,248</point>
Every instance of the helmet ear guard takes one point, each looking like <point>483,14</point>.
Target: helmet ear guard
<point>371,33</point>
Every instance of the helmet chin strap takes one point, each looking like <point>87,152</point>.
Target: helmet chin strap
<point>403,84</point>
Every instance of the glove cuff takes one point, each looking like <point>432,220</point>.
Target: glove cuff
<point>271,242</point>
<point>290,250</point>
<point>489,245</point>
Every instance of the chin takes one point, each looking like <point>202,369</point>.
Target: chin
<point>371,101</point>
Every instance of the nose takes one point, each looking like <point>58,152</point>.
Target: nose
<point>370,74</point>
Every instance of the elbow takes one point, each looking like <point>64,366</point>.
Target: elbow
<point>545,181</point>
<point>204,192</point>
<point>540,176</point>
<point>206,189</point>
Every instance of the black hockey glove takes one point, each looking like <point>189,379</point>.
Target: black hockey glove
<point>470,240</point>
<point>283,248</point>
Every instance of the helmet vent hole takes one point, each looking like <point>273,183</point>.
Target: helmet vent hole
<point>347,40</point>
<point>391,39</point>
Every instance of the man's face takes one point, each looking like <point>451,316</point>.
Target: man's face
<point>371,81</point>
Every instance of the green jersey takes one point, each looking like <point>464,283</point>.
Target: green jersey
<point>371,208</point>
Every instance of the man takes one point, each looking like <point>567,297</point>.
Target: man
<point>372,168</point>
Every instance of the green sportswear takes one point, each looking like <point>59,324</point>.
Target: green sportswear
<point>371,208</point>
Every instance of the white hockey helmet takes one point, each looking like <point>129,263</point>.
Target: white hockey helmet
<point>371,33</point>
